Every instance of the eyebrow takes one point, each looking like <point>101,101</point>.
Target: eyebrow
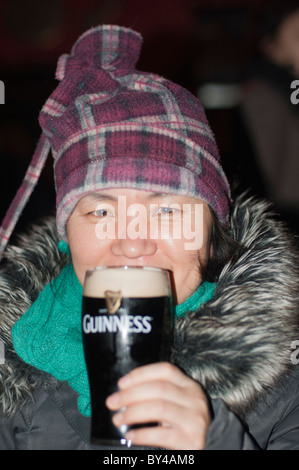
<point>157,195</point>
<point>99,196</point>
<point>165,196</point>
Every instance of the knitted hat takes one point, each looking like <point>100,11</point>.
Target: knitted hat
<point>110,126</point>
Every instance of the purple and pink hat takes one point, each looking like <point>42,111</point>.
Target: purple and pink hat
<point>109,125</point>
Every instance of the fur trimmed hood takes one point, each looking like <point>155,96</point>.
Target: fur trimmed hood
<point>238,345</point>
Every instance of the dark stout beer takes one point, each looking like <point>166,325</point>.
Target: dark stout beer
<point>121,333</point>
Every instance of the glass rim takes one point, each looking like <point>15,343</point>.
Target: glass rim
<point>128,267</point>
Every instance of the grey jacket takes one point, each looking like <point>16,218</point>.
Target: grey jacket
<point>238,345</point>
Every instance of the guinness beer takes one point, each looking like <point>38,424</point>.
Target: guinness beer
<point>126,323</point>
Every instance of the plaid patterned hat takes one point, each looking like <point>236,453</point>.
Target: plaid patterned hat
<point>111,126</point>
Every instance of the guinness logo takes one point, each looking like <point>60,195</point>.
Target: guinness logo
<point>113,300</point>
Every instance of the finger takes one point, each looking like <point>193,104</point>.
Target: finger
<point>159,371</point>
<point>166,438</point>
<point>148,412</point>
<point>186,421</point>
<point>145,392</point>
<point>185,397</point>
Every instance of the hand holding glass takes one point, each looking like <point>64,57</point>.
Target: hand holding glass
<point>126,323</point>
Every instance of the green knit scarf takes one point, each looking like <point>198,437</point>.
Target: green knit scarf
<point>48,336</point>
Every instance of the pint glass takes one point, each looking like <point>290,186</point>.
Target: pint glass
<point>127,322</point>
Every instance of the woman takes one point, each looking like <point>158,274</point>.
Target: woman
<point>118,134</point>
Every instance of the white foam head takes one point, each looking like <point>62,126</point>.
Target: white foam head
<point>139,281</point>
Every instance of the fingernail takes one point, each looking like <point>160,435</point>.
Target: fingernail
<point>113,400</point>
<point>130,435</point>
<point>117,418</point>
<point>124,381</point>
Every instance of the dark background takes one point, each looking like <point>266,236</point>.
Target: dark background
<point>192,42</point>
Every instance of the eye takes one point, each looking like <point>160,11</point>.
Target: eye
<point>102,212</point>
<point>167,210</point>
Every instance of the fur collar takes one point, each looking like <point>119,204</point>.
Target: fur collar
<point>238,345</point>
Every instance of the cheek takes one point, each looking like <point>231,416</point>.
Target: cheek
<point>187,250</point>
<point>186,277</point>
<point>182,261</point>
<point>186,262</point>
<point>84,246</point>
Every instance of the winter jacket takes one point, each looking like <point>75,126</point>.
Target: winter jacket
<point>240,346</point>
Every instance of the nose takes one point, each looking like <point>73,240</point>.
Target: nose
<point>134,248</point>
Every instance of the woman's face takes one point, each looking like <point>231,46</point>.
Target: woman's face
<point>139,228</point>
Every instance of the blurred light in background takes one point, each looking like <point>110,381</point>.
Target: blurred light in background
<point>219,95</point>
